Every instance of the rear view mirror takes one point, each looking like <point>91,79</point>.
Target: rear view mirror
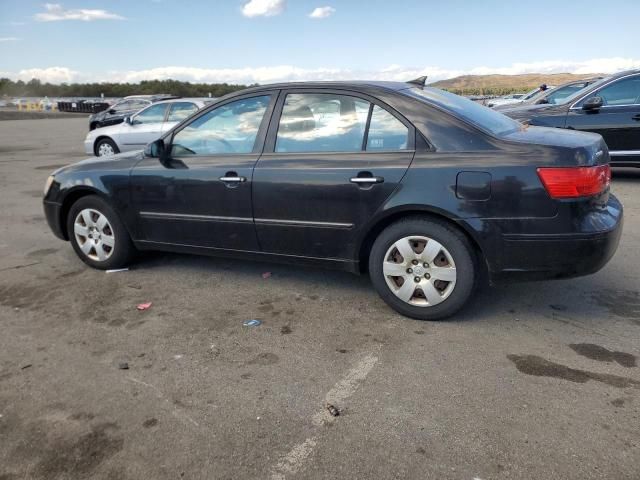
<point>593,103</point>
<point>155,149</point>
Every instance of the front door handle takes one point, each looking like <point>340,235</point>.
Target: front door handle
<point>365,178</point>
<point>232,177</point>
<point>636,117</point>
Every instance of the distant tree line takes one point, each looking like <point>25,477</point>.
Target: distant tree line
<point>35,88</point>
<point>491,91</point>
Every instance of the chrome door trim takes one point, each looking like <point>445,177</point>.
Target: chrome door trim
<point>202,218</point>
<point>623,153</point>
<point>302,223</point>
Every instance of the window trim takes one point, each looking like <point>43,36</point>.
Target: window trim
<point>595,91</point>
<point>272,133</point>
<point>259,142</point>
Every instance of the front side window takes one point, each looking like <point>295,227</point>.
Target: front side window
<point>622,92</point>
<point>322,122</point>
<point>386,132</point>
<point>138,104</point>
<point>153,114</point>
<point>230,128</point>
<point>181,110</point>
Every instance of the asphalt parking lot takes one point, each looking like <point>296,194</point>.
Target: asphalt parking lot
<point>532,381</point>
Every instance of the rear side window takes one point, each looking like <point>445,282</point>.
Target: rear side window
<point>622,92</point>
<point>322,122</point>
<point>181,110</point>
<point>386,132</point>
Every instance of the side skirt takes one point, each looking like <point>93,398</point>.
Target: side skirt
<point>331,263</point>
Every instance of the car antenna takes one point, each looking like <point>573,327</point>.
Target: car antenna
<point>421,81</point>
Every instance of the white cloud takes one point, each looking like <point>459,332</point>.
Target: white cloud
<point>55,12</point>
<point>51,75</point>
<point>322,12</point>
<point>285,73</point>
<point>8,39</point>
<point>264,8</point>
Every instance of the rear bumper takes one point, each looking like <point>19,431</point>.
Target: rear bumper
<point>562,255</point>
<point>54,219</point>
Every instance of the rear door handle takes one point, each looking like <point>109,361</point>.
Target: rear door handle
<point>636,117</point>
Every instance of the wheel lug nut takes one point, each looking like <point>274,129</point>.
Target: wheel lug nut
<point>417,279</point>
<point>426,265</point>
<point>415,262</point>
<point>409,270</point>
<point>427,276</point>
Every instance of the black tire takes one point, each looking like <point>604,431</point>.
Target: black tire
<point>105,141</point>
<point>450,238</point>
<point>123,249</point>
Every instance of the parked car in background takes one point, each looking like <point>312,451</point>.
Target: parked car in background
<point>555,95</point>
<point>123,108</point>
<point>609,106</point>
<point>504,99</point>
<point>373,177</point>
<point>527,96</point>
<point>141,128</point>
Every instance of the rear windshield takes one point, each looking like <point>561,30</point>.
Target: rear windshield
<point>482,117</point>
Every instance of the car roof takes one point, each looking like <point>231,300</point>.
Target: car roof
<point>356,84</point>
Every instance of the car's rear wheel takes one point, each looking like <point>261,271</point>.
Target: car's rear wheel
<point>423,268</point>
<point>98,236</point>
<point>106,147</point>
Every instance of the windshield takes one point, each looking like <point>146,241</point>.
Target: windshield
<point>482,117</point>
<point>594,86</point>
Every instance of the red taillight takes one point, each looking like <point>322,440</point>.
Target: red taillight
<point>572,182</point>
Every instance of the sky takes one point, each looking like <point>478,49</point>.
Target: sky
<point>264,41</point>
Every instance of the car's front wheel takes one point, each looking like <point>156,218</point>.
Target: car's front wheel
<point>97,234</point>
<point>423,268</point>
<point>106,147</point>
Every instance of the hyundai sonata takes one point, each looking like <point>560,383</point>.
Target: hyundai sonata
<point>426,191</point>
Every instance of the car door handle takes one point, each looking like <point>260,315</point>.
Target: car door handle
<point>233,179</point>
<point>366,180</point>
<point>636,117</point>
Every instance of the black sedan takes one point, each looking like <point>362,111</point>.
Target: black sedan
<point>610,107</point>
<point>426,191</point>
<point>117,112</point>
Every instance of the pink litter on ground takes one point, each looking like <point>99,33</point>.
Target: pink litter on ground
<point>144,306</point>
<point>266,274</point>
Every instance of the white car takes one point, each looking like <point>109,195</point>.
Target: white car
<point>140,128</point>
<point>498,102</point>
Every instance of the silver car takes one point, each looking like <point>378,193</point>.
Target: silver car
<point>140,128</point>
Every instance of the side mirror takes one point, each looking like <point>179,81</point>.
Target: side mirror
<point>542,101</point>
<point>157,149</point>
<point>593,103</point>
<point>111,111</point>
<point>127,120</point>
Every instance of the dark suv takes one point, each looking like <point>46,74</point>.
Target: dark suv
<point>610,107</point>
<point>125,107</point>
